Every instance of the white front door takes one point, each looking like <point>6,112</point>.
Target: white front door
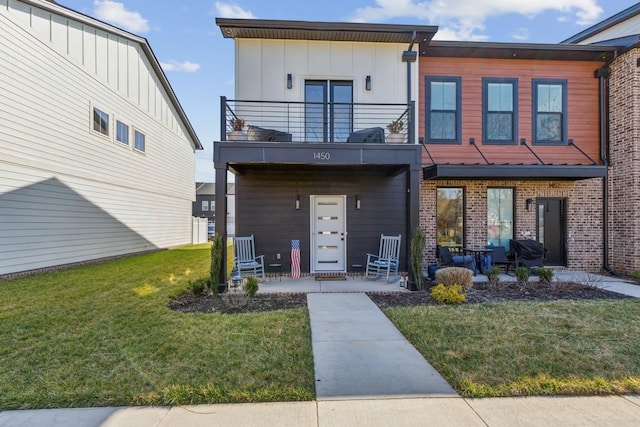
<point>328,234</point>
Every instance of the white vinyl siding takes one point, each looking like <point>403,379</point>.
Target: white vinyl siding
<point>66,195</point>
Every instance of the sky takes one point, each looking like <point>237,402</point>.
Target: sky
<point>199,62</point>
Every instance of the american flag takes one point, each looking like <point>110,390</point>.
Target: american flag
<point>295,259</point>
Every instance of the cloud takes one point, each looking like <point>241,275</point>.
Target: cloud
<point>115,13</point>
<point>228,10</point>
<point>521,34</point>
<point>185,66</point>
<point>465,19</point>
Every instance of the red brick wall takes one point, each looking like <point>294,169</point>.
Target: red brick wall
<point>624,171</point>
<point>584,215</point>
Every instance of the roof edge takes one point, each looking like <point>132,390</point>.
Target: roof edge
<point>146,47</point>
<point>604,25</point>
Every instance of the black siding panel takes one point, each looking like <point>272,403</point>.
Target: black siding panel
<point>265,207</point>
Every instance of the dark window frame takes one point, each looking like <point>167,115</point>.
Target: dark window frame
<point>464,215</point>
<point>564,140</point>
<point>458,111</point>
<point>486,81</point>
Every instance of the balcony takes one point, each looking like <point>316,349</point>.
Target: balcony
<point>316,122</point>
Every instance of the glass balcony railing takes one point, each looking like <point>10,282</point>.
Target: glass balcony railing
<point>316,122</point>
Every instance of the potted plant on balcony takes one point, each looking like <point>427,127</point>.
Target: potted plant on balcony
<point>396,136</point>
<point>237,134</point>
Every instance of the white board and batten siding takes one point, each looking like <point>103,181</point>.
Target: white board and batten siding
<point>67,193</point>
<point>262,66</point>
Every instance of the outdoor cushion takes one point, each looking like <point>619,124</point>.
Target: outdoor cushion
<point>255,133</point>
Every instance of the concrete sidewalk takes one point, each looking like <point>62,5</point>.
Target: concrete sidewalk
<point>613,411</point>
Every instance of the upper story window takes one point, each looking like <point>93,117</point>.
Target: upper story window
<point>138,141</point>
<point>205,205</point>
<point>549,111</point>
<point>122,132</point>
<point>328,110</point>
<point>500,110</point>
<point>443,108</point>
<point>100,121</point>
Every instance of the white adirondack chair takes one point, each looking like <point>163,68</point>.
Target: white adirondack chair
<point>386,262</point>
<point>245,259</point>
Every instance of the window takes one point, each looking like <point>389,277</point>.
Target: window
<point>122,132</point>
<point>205,205</point>
<point>330,121</point>
<point>100,122</point>
<point>500,216</point>
<point>499,109</point>
<point>138,141</point>
<point>449,216</point>
<point>549,111</point>
<point>443,109</point>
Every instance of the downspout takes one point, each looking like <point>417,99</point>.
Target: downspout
<point>603,76</point>
<point>412,217</point>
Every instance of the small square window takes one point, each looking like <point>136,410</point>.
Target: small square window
<point>138,141</point>
<point>100,122</point>
<point>122,132</point>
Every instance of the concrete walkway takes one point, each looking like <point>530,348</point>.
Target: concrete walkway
<point>358,353</point>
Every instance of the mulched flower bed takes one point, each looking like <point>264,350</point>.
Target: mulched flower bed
<point>231,303</point>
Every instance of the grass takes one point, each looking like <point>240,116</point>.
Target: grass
<point>101,335</point>
<point>529,348</point>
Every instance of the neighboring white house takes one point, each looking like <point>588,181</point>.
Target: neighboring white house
<point>96,153</point>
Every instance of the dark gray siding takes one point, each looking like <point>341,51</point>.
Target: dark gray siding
<point>266,209</point>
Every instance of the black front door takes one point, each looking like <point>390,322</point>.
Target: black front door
<point>552,229</point>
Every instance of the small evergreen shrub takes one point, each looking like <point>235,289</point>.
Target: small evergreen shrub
<point>216,263</point>
<point>522,275</point>
<point>251,286</point>
<point>198,286</point>
<point>493,277</point>
<point>449,276</point>
<point>636,274</point>
<point>545,274</point>
<point>443,294</point>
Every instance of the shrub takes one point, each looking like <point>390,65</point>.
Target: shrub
<point>544,274</point>
<point>522,275</point>
<point>418,241</point>
<point>636,274</point>
<point>493,277</point>
<point>251,286</point>
<point>452,294</point>
<point>198,286</point>
<point>455,275</point>
<point>216,263</point>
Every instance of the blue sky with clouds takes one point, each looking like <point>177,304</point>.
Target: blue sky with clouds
<point>199,62</point>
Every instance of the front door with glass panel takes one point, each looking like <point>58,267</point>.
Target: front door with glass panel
<point>328,243</point>
<point>328,110</point>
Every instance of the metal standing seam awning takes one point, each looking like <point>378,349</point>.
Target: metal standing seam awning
<point>513,171</point>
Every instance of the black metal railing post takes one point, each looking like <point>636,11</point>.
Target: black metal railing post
<point>223,118</point>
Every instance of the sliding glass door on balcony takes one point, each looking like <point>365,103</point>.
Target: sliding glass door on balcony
<point>328,110</point>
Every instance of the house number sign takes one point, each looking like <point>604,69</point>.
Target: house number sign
<point>321,155</point>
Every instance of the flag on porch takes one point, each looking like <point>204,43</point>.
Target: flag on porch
<point>295,259</point>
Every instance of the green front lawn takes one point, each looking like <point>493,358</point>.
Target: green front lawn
<point>101,335</point>
<point>529,348</point>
